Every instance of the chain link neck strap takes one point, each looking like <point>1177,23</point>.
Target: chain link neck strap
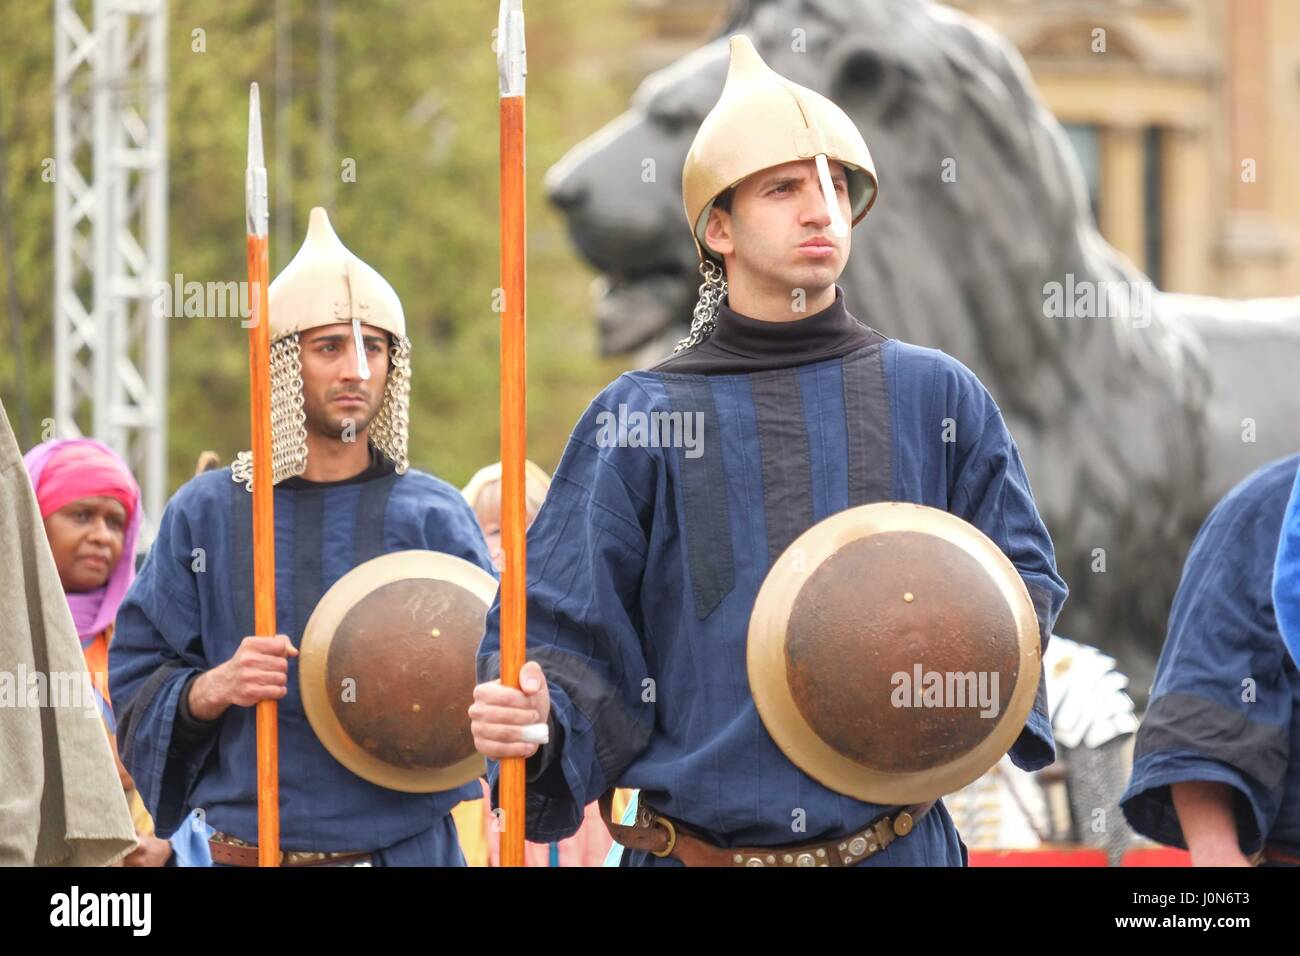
<point>705,319</point>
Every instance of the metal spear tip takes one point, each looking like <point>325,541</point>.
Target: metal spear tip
<point>507,8</point>
<point>512,64</point>
<point>256,158</point>
<point>255,186</point>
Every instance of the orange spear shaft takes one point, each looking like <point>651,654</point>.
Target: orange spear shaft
<point>511,66</point>
<point>259,384</point>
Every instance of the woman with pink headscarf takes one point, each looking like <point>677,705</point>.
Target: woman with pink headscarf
<point>90,505</point>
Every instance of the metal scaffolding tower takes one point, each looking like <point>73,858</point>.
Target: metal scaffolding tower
<point>110,231</point>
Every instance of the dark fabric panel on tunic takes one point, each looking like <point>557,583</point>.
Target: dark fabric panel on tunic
<point>171,798</point>
<point>1188,722</point>
<point>704,493</point>
<point>869,427</point>
<point>139,704</point>
<point>308,517</point>
<point>786,461</point>
<point>1042,602</point>
<point>371,508</point>
<point>241,552</point>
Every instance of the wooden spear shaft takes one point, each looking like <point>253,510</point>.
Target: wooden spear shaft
<point>510,57</point>
<point>259,403</point>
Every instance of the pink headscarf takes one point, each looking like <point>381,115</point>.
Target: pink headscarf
<point>65,470</point>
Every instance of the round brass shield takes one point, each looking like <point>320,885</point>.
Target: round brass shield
<point>387,669</point>
<point>893,653</point>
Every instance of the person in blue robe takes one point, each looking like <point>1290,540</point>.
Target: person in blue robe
<point>1286,576</point>
<point>1216,766</point>
<point>177,622</point>
<point>644,564</point>
<point>343,495</point>
<point>683,483</point>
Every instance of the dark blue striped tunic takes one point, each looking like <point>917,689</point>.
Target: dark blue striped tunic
<point>184,615</point>
<point>645,560</point>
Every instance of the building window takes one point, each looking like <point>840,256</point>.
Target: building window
<point>1086,140</point>
<point>1152,196</point>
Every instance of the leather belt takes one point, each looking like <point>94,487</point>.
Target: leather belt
<point>233,851</point>
<point>1275,854</point>
<point>662,836</point>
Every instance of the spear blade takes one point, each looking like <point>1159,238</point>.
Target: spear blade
<point>255,186</point>
<point>512,62</point>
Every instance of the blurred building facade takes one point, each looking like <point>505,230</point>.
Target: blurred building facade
<point>1185,115</point>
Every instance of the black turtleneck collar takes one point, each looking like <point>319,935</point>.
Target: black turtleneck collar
<point>379,467</point>
<point>742,344</point>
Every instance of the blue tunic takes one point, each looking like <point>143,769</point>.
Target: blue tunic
<point>1225,705</point>
<point>188,611</point>
<point>644,564</point>
<point>1286,575</point>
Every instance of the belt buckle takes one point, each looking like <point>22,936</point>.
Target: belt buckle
<point>672,837</point>
<point>314,857</point>
<point>647,818</point>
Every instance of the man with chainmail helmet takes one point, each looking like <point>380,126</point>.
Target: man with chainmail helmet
<point>185,671</point>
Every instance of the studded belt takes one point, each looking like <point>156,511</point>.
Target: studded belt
<point>233,851</point>
<point>662,836</point>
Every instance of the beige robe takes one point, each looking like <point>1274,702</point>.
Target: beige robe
<point>61,800</point>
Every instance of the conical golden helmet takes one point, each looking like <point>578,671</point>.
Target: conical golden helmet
<point>764,120</point>
<point>327,283</point>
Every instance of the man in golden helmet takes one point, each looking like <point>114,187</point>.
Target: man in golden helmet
<point>188,677</point>
<point>325,300</point>
<point>807,150</point>
<point>790,582</point>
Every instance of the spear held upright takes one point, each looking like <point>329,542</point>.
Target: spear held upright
<point>259,403</point>
<point>512,69</point>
